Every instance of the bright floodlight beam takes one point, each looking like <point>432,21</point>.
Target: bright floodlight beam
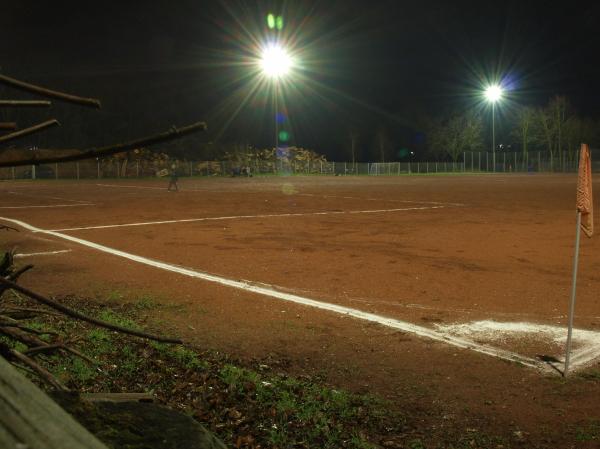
<point>275,61</point>
<point>493,93</point>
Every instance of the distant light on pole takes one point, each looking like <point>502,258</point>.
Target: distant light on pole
<point>275,61</point>
<point>493,94</point>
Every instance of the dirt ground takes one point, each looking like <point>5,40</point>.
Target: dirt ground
<point>427,250</point>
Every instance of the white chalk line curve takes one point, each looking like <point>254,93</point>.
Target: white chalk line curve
<point>237,217</point>
<point>271,292</point>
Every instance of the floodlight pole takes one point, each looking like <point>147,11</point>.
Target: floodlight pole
<point>494,136</point>
<point>276,81</point>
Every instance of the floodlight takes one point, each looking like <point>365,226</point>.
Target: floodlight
<point>493,93</point>
<point>275,61</point>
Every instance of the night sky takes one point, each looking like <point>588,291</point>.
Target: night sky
<point>361,64</point>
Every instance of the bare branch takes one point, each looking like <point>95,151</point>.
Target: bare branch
<point>60,347</point>
<point>30,130</point>
<point>172,134</point>
<point>14,276</point>
<point>24,103</point>
<point>92,102</point>
<point>40,371</point>
<point>80,316</point>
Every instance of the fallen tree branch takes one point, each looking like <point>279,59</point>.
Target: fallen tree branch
<point>7,262</point>
<point>92,102</point>
<point>60,347</point>
<point>172,134</point>
<point>40,371</point>
<point>24,103</point>
<point>22,336</point>
<point>14,276</point>
<point>8,125</point>
<point>25,312</point>
<point>30,130</point>
<point>80,316</point>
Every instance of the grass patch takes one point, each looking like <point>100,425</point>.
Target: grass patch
<point>589,432</point>
<point>238,403</point>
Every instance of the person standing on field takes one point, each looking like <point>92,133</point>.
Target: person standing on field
<point>173,178</point>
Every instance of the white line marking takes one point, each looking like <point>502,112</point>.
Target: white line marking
<point>271,292</point>
<point>50,197</point>
<point>131,187</point>
<point>47,253</point>
<point>48,206</point>
<point>235,217</point>
<point>379,199</point>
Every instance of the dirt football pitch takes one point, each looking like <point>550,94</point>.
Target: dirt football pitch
<point>446,294</point>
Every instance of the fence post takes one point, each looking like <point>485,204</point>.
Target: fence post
<point>137,169</point>
<point>98,165</point>
<point>426,167</point>
<point>321,164</point>
<point>539,162</point>
<point>436,166</point>
<point>504,161</point>
<point>56,170</point>
<point>12,169</point>
<point>77,169</point>
<point>33,172</point>
<point>334,168</point>
<point>409,172</point>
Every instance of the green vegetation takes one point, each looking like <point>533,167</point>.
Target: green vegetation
<point>238,403</point>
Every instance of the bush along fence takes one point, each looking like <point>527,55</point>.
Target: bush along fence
<point>473,162</point>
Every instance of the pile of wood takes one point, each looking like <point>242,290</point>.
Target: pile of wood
<point>13,327</point>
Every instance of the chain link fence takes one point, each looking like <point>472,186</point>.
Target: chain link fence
<point>476,162</point>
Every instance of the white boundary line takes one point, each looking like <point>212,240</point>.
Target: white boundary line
<point>235,217</point>
<point>273,293</point>
<point>131,187</point>
<point>47,206</point>
<point>50,197</point>
<point>46,253</point>
<point>379,199</point>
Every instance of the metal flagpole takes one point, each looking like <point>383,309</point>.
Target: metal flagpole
<point>573,291</point>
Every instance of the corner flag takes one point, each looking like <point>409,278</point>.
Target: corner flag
<point>585,221</point>
<point>584,191</point>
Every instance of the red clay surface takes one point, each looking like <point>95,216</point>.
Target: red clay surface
<point>500,248</point>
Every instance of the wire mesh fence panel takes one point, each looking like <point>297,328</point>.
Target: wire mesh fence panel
<point>470,162</point>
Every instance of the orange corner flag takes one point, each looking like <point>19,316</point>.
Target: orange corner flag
<point>584,191</point>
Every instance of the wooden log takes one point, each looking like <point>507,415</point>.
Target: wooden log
<point>92,102</point>
<point>172,134</point>
<point>29,418</point>
<point>8,126</point>
<point>30,130</point>
<point>25,103</point>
